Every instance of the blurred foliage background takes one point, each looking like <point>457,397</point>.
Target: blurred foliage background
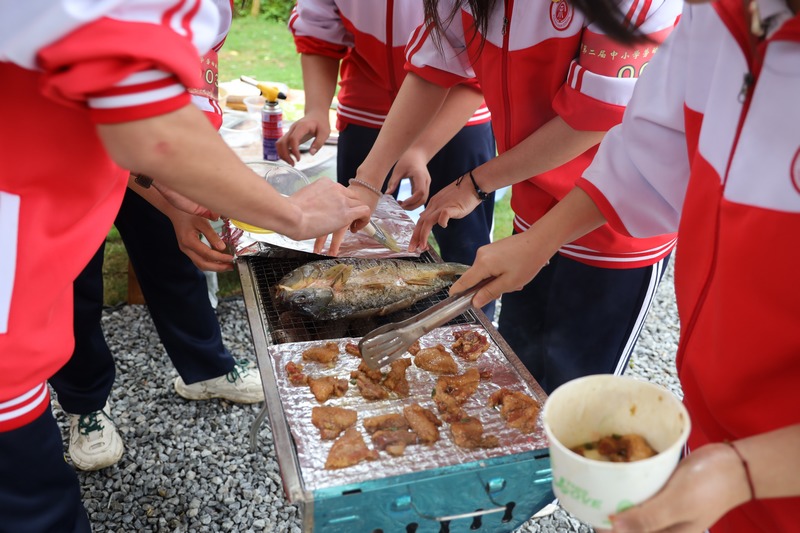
<point>274,10</point>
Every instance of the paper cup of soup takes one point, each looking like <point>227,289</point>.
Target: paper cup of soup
<point>614,442</point>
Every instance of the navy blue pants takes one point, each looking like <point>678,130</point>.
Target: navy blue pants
<point>573,319</point>
<point>177,297</point>
<point>39,491</point>
<point>470,148</point>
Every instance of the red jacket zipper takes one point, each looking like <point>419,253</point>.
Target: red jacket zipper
<point>745,97</point>
<point>390,45</point>
<point>509,6</point>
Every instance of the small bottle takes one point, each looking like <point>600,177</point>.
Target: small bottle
<point>271,121</point>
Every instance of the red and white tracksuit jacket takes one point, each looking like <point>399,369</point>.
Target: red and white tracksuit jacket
<point>64,70</point>
<point>540,60</point>
<point>370,40</point>
<point>718,158</point>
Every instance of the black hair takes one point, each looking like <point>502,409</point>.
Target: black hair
<point>609,18</point>
<point>605,13</point>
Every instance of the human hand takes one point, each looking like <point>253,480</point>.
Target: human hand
<point>184,204</point>
<point>299,132</point>
<point>453,201</point>
<point>366,197</point>
<point>326,207</point>
<point>706,484</point>
<point>411,165</point>
<point>513,261</point>
<point>188,229</point>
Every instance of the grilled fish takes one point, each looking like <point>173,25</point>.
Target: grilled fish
<point>354,288</point>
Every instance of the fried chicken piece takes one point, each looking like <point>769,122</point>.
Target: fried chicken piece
<point>331,421</point>
<point>617,449</point>
<point>348,450</point>
<point>372,374</point>
<point>368,388</point>
<point>327,353</point>
<point>422,422</point>
<point>451,392</point>
<point>352,349</point>
<point>436,359</point>
<point>519,410</point>
<point>396,380</point>
<point>294,372</point>
<point>393,441</point>
<point>414,348</point>
<point>392,421</point>
<point>469,344</point>
<point>325,387</point>
<point>468,433</point>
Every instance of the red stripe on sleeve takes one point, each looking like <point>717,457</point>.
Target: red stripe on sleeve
<point>149,110</point>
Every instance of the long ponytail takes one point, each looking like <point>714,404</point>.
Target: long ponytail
<point>605,13</point>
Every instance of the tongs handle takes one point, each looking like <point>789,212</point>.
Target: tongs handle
<point>447,309</point>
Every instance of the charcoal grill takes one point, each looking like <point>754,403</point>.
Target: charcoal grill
<point>493,495</point>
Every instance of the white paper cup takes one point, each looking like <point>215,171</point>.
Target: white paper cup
<point>589,408</point>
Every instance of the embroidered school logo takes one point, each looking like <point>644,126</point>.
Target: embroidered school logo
<point>561,14</point>
<point>795,170</point>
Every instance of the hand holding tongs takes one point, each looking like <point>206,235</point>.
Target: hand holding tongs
<point>383,345</point>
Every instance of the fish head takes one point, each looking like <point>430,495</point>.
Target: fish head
<point>308,300</point>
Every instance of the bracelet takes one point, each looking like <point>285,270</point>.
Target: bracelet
<point>482,196</point>
<point>143,181</point>
<point>746,469</point>
<point>365,185</point>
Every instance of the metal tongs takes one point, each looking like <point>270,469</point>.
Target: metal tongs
<point>387,343</point>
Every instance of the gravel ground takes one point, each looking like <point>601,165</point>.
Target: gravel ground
<point>187,465</point>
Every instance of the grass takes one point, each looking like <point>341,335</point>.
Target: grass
<point>263,50</point>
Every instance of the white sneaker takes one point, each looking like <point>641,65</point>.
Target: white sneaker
<point>94,441</point>
<point>240,385</point>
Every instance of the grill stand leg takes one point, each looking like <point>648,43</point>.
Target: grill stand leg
<point>256,427</point>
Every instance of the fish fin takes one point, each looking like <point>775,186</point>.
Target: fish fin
<point>423,278</point>
<point>338,275</point>
<point>373,271</point>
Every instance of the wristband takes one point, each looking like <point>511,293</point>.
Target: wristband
<point>143,181</point>
<point>366,185</point>
<point>746,469</point>
<point>482,196</point>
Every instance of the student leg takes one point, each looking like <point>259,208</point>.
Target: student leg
<point>39,492</point>
<point>574,320</point>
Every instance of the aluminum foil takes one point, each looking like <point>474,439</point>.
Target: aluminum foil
<point>312,451</point>
<point>389,216</point>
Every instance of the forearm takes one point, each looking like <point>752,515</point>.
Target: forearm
<point>182,150</point>
<point>457,109</point>
<point>417,102</point>
<point>571,218</point>
<point>549,147</point>
<point>320,74</point>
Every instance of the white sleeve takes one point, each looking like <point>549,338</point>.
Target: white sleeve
<point>422,52</point>
<point>33,24</point>
<point>642,166</point>
<point>321,20</point>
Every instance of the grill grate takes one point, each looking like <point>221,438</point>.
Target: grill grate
<point>287,326</point>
